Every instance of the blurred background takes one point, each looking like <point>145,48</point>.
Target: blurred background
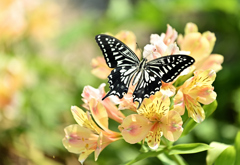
<point>46,49</point>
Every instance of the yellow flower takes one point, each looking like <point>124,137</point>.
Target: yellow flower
<point>153,120</point>
<point>197,89</point>
<point>86,137</point>
<point>200,47</point>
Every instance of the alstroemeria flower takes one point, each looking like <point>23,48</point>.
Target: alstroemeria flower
<point>200,46</point>
<point>97,94</point>
<point>86,137</point>
<point>100,68</point>
<point>153,120</point>
<point>197,89</point>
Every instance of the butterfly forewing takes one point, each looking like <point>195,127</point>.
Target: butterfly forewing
<point>115,52</point>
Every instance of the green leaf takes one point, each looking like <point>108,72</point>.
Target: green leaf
<point>216,149</point>
<point>144,156</point>
<point>190,124</point>
<point>237,147</point>
<point>171,159</point>
<point>228,157</point>
<point>188,148</point>
<point>210,108</point>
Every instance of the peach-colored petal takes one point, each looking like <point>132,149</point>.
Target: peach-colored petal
<point>97,94</point>
<point>127,103</point>
<point>99,113</point>
<point>213,62</point>
<point>83,156</point>
<point>100,68</point>
<point>197,44</point>
<point>93,93</point>
<point>154,135</point>
<point>84,119</point>
<point>195,110</point>
<point>203,77</point>
<point>78,139</point>
<point>172,125</point>
<point>211,39</point>
<point>134,128</point>
<point>179,105</point>
<point>168,89</point>
<point>203,94</point>
<point>190,28</point>
<point>113,111</point>
<point>170,36</point>
<point>171,49</point>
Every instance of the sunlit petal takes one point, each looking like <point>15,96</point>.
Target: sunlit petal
<point>78,139</point>
<point>84,119</point>
<point>134,128</point>
<point>99,113</point>
<point>179,105</point>
<point>211,39</point>
<point>194,109</point>
<point>190,28</point>
<point>154,135</point>
<point>83,156</point>
<point>172,125</point>
<point>100,68</point>
<point>213,62</point>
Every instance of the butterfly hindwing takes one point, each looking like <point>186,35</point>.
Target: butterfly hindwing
<point>115,52</point>
<point>119,80</point>
<point>148,84</point>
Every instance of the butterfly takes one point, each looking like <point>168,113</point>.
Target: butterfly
<point>146,75</point>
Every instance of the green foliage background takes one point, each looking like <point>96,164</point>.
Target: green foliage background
<point>59,68</point>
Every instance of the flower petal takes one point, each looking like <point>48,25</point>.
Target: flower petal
<point>203,77</point>
<point>211,39</point>
<point>134,128</point>
<point>190,28</point>
<point>195,110</point>
<point>203,94</point>
<point>100,68</point>
<point>179,105</point>
<point>154,135</point>
<point>172,125</point>
<point>83,156</point>
<point>168,89</point>
<point>197,44</point>
<point>99,113</point>
<point>213,62</point>
<point>78,139</point>
<point>84,119</point>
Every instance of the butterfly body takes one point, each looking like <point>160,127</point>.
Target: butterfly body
<point>145,75</point>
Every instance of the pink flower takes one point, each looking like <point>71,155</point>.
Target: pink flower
<point>153,120</point>
<point>97,95</point>
<point>197,89</point>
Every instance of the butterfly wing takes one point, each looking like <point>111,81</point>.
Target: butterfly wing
<point>117,55</point>
<point>169,67</point>
<point>115,52</point>
<point>165,68</point>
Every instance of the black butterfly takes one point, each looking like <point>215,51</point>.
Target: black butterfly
<point>147,75</point>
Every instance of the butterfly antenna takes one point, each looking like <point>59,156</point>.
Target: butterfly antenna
<point>139,47</point>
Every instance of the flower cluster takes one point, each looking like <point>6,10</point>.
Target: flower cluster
<point>161,114</point>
